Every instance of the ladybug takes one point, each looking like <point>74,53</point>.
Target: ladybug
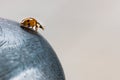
<point>31,22</point>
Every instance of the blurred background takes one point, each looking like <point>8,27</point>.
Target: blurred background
<point>83,33</point>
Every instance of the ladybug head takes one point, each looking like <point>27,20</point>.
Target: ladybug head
<point>40,26</point>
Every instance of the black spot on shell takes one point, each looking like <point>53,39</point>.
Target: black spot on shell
<point>28,20</point>
<point>28,24</point>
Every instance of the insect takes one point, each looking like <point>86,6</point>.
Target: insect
<point>31,22</point>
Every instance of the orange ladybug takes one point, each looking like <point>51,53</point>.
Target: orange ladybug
<point>31,22</point>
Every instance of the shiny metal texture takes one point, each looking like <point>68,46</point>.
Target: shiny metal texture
<point>26,55</point>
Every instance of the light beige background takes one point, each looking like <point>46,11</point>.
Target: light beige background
<point>84,33</point>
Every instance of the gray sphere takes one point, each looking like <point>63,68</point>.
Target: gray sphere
<point>26,55</point>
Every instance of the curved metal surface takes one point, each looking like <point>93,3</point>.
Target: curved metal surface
<point>26,55</point>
